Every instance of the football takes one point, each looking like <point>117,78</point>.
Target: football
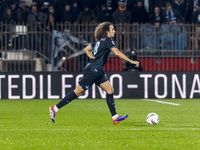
<point>152,119</point>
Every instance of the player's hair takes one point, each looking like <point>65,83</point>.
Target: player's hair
<point>100,30</point>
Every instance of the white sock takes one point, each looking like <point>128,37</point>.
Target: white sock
<point>115,116</point>
<point>56,108</point>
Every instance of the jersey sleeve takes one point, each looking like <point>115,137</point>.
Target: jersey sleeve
<point>110,43</point>
<point>92,45</point>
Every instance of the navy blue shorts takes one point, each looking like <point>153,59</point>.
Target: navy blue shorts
<point>89,78</point>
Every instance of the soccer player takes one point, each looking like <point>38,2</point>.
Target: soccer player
<point>93,73</point>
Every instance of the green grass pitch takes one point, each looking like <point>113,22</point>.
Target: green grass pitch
<point>87,125</point>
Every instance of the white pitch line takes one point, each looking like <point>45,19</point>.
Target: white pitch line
<point>131,129</point>
<point>151,100</point>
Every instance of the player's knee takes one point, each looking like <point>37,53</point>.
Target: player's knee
<point>79,93</point>
<point>110,91</point>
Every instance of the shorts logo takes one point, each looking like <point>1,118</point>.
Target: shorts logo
<point>87,86</point>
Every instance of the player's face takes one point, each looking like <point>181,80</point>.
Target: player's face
<point>111,32</point>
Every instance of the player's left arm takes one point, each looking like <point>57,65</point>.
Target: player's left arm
<point>88,51</point>
<point>124,57</point>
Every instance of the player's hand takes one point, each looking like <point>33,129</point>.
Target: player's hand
<point>136,63</point>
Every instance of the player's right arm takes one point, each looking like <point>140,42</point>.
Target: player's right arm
<point>124,57</point>
<point>88,51</point>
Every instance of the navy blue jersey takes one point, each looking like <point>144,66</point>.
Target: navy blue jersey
<point>101,51</point>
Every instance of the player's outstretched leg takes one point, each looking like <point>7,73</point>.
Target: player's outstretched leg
<point>67,99</point>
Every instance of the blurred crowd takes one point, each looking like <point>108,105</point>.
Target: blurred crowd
<point>155,16</point>
<point>96,11</point>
